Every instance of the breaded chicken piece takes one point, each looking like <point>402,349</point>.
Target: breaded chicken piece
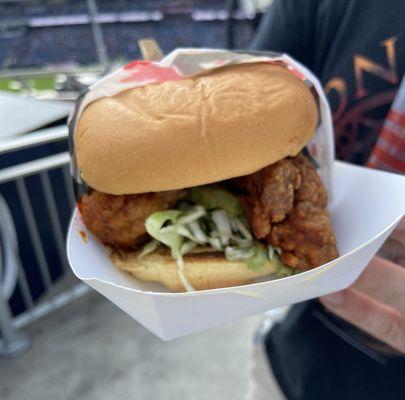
<point>306,237</point>
<point>270,195</point>
<point>285,204</point>
<point>119,221</point>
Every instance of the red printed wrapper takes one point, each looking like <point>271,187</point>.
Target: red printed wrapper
<point>365,207</point>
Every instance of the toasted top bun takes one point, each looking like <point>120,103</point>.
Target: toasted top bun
<point>230,122</point>
<point>203,269</point>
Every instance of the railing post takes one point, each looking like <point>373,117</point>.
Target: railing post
<point>12,342</point>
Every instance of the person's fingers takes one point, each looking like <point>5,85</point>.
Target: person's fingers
<point>384,281</point>
<point>377,319</point>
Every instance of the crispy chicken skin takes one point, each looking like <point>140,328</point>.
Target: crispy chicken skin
<point>270,195</point>
<point>119,221</point>
<point>286,206</point>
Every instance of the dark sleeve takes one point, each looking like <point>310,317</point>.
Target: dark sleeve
<point>288,27</point>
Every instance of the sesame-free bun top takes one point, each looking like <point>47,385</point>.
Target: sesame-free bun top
<point>229,122</point>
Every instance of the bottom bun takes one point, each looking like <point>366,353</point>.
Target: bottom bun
<point>204,269</point>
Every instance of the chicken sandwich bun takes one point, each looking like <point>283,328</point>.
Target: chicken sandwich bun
<point>201,183</point>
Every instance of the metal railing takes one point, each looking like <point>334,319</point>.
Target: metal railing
<point>12,270</point>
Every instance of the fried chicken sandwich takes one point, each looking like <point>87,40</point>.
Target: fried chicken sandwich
<point>201,183</point>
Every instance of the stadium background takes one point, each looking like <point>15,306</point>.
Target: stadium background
<point>58,34</point>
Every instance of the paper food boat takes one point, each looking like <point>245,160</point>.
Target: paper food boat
<point>365,207</point>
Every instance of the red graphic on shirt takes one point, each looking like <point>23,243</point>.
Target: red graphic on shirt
<point>356,119</point>
<point>146,71</point>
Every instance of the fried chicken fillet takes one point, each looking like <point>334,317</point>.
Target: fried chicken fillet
<point>285,204</point>
<point>119,221</point>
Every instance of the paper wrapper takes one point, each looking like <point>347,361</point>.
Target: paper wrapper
<point>365,208</point>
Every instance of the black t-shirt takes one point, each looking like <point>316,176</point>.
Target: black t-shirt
<point>357,50</point>
<point>314,357</point>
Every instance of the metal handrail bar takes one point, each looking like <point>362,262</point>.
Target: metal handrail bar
<point>47,71</point>
<point>37,138</point>
<point>51,305</point>
<point>34,167</point>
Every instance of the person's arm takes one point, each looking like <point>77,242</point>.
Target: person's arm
<point>375,303</point>
<point>287,27</point>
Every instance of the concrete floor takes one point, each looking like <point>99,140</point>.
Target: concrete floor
<point>92,350</point>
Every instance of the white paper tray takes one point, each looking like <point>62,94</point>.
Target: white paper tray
<point>366,207</point>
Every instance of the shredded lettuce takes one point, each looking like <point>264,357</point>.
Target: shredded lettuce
<point>215,219</point>
<point>199,235</point>
<point>222,222</point>
<point>284,270</point>
<point>149,247</point>
<point>214,198</point>
<point>256,256</point>
<point>154,224</point>
<point>243,227</point>
<point>235,253</point>
<point>259,257</point>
